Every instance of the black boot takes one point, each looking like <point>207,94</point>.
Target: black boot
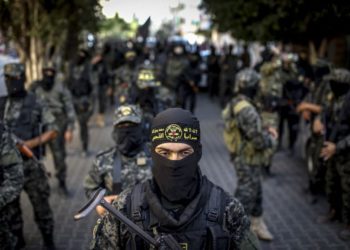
<point>48,242</point>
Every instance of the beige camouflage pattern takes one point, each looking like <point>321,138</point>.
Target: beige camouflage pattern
<point>133,170</point>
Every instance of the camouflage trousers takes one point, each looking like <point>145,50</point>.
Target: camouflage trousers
<point>338,187</point>
<point>38,190</point>
<point>83,108</point>
<point>58,149</point>
<point>249,189</point>
<point>316,166</point>
<point>8,238</point>
<point>270,119</point>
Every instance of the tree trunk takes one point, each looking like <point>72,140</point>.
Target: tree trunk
<point>312,53</point>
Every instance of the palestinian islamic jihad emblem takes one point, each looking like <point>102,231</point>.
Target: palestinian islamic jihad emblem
<point>173,132</point>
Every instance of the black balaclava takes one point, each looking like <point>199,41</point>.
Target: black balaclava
<point>15,86</point>
<point>339,88</point>
<point>177,180</point>
<point>48,80</point>
<point>129,139</point>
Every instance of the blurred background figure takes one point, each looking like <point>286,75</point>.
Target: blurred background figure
<point>213,69</point>
<point>81,88</point>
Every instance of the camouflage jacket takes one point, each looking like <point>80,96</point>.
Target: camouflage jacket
<point>250,124</point>
<point>11,171</point>
<point>124,84</point>
<point>272,81</point>
<point>338,129</point>
<point>40,113</point>
<point>133,170</point>
<point>109,233</point>
<point>59,102</point>
<point>125,74</point>
<point>255,139</point>
<point>37,118</point>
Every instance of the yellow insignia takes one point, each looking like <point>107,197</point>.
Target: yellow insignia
<point>126,111</point>
<point>173,132</point>
<point>184,246</point>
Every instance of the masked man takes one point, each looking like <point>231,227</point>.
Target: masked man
<point>80,86</point>
<point>59,101</point>
<point>248,142</point>
<point>30,120</point>
<point>179,200</point>
<point>335,151</point>
<point>127,163</point>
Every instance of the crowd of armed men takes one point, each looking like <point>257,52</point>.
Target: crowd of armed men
<point>152,175</point>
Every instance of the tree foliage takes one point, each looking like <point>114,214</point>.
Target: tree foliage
<point>165,30</point>
<point>117,27</point>
<point>41,28</point>
<point>283,20</point>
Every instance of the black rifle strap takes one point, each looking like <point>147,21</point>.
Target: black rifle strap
<point>117,172</point>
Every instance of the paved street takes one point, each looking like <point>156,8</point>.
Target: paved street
<point>287,210</point>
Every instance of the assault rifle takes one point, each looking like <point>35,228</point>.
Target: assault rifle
<point>26,151</point>
<point>162,241</point>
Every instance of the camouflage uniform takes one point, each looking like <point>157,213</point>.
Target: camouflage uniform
<point>338,167</point>
<point>248,143</point>
<point>173,69</point>
<point>125,80</point>
<point>250,158</point>
<point>59,102</point>
<point>35,180</point>
<point>11,183</point>
<point>134,169</point>
<point>273,77</point>
<point>322,96</point>
<point>81,88</point>
<point>109,233</point>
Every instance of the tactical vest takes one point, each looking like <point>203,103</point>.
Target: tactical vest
<point>232,134</point>
<point>80,84</point>
<point>235,141</point>
<point>203,231</point>
<point>27,125</point>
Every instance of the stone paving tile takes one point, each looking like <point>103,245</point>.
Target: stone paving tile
<point>287,211</point>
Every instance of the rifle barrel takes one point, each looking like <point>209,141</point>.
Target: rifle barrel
<point>130,224</point>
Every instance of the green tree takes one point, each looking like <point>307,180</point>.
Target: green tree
<point>165,30</point>
<point>116,27</point>
<point>297,21</point>
<point>41,28</point>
